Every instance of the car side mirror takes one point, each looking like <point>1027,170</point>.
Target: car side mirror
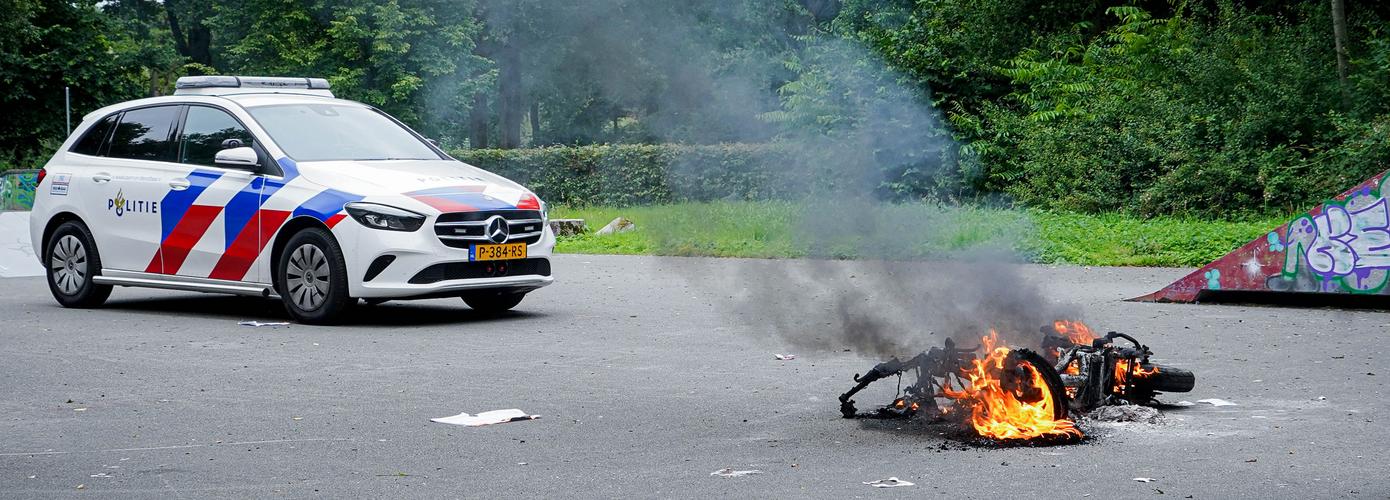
<point>242,158</point>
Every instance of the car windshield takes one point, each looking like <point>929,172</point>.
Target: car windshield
<point>328,132</point>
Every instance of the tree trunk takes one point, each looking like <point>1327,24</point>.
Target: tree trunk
<point>1339,34</point>
<point>509,108</point>
<point>535,121</point>
<point>200,44</point>
<point>477,122</point>
<point>175,29</point>
<point>196,45</point>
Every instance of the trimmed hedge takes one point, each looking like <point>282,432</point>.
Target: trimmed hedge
<point>641,174</point>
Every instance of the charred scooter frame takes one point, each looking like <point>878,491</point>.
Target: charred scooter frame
<point>1084,375</point>
<point>1104,372</point>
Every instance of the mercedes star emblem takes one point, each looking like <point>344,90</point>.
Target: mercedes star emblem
<point>497,229</point>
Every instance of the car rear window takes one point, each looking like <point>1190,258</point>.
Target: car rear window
<point>143,134</point>
<point>90,143</point>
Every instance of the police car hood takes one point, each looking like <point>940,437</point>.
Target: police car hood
<point>445,185</point>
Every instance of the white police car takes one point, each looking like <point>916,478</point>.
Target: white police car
<point>272,187</point>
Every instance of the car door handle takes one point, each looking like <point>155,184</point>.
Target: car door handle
<point>179,184</point>
<point>101,177</point>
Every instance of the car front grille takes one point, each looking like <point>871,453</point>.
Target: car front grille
<point>487,269</point>
<point>465,229</point>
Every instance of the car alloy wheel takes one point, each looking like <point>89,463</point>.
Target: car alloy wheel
<point>311,277</point>
<point>72,261</point>
<point>307,277</point>
<point>69,265</point>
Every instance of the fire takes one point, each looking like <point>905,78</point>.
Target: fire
<point>1010,413</point>
<point>1072,369</point>
<point>1075,331</point>
<point>1123,372</point>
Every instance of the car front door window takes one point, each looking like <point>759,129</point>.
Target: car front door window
<point>209,130</point>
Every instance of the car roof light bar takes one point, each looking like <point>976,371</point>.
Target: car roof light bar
<point>223,84</point>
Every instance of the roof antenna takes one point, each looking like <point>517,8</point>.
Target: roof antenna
<point>67,106</point>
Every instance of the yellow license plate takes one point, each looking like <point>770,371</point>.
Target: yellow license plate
<point>508,251</point>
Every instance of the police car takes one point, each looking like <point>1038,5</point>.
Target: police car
<point>272,187</point>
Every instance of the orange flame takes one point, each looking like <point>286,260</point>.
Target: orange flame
<point>1123,373</point>
<point>1072,369</point>
<point>1000,413</point>
<point>1075,331</point>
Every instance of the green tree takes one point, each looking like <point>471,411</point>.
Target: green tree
<point>411,58</point>
<point>44,47</point>
<point>139,32</point>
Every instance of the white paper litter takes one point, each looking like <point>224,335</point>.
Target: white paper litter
<point>486,418</point>
<point>1184,403</point>
<point>729,472</point>
<point>1216,402</point>
<point>891,482</point>
<point>1145,479</point>
<point>784,357</point>
<point>258,323</point>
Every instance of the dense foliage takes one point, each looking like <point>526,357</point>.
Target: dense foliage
<point>635,174</point>
<point>1201,107</point>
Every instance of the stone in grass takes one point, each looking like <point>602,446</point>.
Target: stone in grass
<point>567,227</point>
<point>619,225</point>
<point>1126,413</point>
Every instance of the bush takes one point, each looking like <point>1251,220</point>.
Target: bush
<point>638,174</point>
<point>1199,114</point>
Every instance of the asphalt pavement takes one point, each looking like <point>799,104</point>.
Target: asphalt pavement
<point>646,383</point>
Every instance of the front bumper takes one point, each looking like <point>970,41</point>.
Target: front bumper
<point>416,258</point>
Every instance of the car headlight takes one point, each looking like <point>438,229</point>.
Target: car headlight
<point>384,217</point>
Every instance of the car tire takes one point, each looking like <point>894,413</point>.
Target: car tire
<point>71,261</point>
<point>311,277</point>
<point>1171,379</point>
<point>493,302</point>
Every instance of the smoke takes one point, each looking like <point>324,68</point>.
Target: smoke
<point>880,306</point>
<point>863,147</point>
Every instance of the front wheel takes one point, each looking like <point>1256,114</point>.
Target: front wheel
<point>71,259</point>
<point>312,278</point>
<point>493,302</point>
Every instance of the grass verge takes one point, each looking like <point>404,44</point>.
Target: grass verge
<point>785,230</point>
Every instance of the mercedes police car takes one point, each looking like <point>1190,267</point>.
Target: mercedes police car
<point>272,187</point>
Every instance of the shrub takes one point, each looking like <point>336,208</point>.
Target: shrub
<point>1183,116</point>
<point>638,174</point>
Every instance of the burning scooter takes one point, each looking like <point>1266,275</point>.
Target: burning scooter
<point>1018,394</point>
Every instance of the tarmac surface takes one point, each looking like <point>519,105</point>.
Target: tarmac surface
<point>646,384</point>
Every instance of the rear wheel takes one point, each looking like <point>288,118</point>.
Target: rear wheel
<point>493,302</point>
<point>312,278</point>
<point>71,258</point>
<point>1169,379</point>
